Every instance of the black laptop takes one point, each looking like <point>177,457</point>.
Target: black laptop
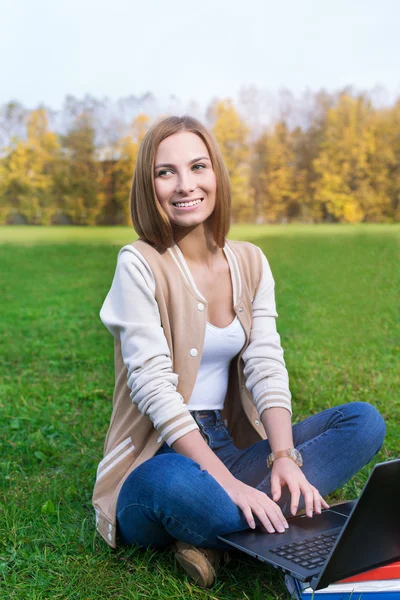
<point>342,541</point>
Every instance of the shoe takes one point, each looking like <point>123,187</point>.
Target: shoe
<point>200,564</point>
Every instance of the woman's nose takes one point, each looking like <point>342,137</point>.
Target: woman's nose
<point>185,183</point>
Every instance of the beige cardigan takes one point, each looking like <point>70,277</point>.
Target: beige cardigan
<point>156,366</point>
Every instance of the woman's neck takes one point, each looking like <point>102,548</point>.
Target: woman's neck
<point>197,245</point>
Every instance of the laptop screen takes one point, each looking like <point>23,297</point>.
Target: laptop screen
<point>371,536</point>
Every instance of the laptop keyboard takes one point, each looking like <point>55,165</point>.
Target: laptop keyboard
<point>308,553</point>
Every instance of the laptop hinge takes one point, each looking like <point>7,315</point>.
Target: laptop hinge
<point>295,587</point>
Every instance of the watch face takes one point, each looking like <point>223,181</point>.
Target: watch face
<point>297,457</point>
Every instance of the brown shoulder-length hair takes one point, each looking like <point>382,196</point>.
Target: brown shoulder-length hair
<point>149,219</point>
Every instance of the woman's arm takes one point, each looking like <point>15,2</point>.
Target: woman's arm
<point>278,426</point>
<point>268,381</point>
<point>130,312</point>
<point>265,371</point>
<point>248,499</point>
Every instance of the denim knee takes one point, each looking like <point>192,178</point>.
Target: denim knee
<point>370,429</point>
<point>173,492</point>
<point>158,480</point>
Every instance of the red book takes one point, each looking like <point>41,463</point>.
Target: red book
<point>391,571</point>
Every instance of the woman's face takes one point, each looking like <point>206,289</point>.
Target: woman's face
<point>184,179</point>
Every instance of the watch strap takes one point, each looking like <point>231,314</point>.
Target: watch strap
<point>288,453</point>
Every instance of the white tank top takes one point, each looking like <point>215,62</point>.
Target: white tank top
<point>221,344</point>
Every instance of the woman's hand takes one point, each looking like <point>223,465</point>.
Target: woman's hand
<point>254,502</point>
<point>286,472</point>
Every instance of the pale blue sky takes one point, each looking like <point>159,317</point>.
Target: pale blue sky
<point>194,50</point>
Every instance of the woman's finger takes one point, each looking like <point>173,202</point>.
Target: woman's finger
<point>245,508</point>
<point>281,516</point>
<point>276,517</point>
<point>324,503</point>
<point>317,500</point>
<point>276,489</point>
<point>295,498</point>
<point>308,499</point>
<point>269,520</point>
<point>271,508</point>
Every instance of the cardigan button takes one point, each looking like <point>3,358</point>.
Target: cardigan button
<point>109,537</point>
<point>240,309</point>
<point>193,352</point>
<point>159,439</point>
<point>200,306</point>
<point>257,422</point>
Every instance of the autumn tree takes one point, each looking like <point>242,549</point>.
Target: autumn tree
<point>231,134</point>
<point>78,177</point>
<point>12,123</point>
<point>318,158</point>
<point>351,169</point>
<point>389,149</point>
<point>27,185</point>
<point>307,138</point>
<point>274,168</point>
<point>127,149</point>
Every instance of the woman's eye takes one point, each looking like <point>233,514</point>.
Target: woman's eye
<point>163,172</point>
<point>202,167</point>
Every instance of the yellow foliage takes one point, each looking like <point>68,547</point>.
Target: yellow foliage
<point>276,174</point>
<point>127,151</point>
<point>27,181</point>
<point>352,167</point>
<point>345,165</point>
<point>352,211</point>
<point>231,134</point>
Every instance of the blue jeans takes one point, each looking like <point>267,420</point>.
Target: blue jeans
<point>170,497</point>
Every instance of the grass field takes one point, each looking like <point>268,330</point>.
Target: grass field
<point>337,292</point>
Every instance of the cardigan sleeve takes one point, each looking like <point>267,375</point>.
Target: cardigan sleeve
<point>266,376</point>
<point>130,312</point>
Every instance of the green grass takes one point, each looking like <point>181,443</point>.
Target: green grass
<point>33,235</point>
<point>337,291</point>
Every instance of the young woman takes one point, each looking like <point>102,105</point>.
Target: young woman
<point>201,441</point>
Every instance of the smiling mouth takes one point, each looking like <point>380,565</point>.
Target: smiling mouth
<point>188,203</point>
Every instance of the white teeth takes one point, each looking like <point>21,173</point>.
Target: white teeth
<point>182,204</point>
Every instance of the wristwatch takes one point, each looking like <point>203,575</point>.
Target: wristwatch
<point>289,452</point>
